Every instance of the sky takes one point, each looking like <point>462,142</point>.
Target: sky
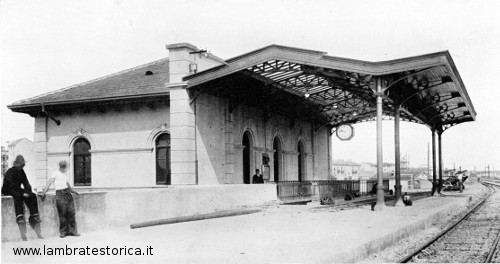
<point>48,45</point>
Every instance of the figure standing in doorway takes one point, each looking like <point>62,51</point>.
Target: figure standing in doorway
<point>64,201</point>
<point>14,178</point>
<point>257,178</point>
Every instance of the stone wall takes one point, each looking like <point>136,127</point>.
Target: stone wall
<point>114,208</point>
<point>90,208</point>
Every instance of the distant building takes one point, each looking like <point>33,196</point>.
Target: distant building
<point>410,179</point>
<point>488,173</point>
<point>416,179</point>
<point>5,159</point>
<point>345,170</point>
<point>388,167</point>
<point>367,170</point>
<point>26,148</point>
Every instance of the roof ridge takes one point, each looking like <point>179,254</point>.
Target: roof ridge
<point>274,46</point>
<point>91,81</point>
<point>14,142</point>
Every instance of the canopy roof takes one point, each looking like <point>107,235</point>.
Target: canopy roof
<point>428,88</point>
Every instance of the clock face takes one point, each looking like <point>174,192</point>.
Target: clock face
<point>345,132</point>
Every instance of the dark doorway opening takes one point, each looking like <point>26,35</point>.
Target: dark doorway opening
<point>277,159</point>
<point>246,158</point>
<point>300,161</point>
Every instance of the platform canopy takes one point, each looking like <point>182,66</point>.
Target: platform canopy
<point>332,90</point>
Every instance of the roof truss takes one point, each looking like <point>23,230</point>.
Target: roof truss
<point>427,89</point>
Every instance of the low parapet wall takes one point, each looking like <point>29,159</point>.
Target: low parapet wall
<point>90,208</point>
<point>100,210</point>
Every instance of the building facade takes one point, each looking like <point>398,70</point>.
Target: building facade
<point>346,170</point>
<point>142,128</point>
<point>5,159</point>
<point>26,148</point>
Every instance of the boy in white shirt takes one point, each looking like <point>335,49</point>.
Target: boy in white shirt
<point>64,200</point>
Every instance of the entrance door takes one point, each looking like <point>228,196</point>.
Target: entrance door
<point>246,158</point>
<point>277,159</point>
<point>300,161</point>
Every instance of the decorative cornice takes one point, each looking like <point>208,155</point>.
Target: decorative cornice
<point>264,149</point>
<point>176,86</point>
<point>238,146</point>
<point>63,153</point>
<point>259,148</point>
<point>79,133</point>
<point>110,151</point>
<point>294,153</point>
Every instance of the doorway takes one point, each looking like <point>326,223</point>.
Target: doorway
<point>277,156</point>
<point>247,146</point>
<point>300,161</point>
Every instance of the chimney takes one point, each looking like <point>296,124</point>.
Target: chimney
<point>181,60</point>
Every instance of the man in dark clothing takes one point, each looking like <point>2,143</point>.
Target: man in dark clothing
<point>257,178</point>
<point>13,179</point>
<point>407,200</point>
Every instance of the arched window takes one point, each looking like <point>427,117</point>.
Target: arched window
<point>82,163</point>
<point>163,159</point>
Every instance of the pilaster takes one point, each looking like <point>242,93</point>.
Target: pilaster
<point>183,137</point>
<point>40,153</point>
<point>230,152</point>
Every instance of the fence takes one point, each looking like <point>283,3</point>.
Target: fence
<point>337,188</point>
<point>293,189</point>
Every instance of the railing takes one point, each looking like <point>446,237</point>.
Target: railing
<point>321,189</point>
<point>293,189</point>
<point>335,188</point>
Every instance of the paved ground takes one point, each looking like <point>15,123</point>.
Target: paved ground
<point>284,234</point>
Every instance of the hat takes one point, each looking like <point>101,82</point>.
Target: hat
<point>19,160</point>
<point>63,164</point>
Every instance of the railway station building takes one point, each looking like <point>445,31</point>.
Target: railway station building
<point>144,128</point>
<point>195,125</point>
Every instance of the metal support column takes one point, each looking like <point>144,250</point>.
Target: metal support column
<point>380,183</point>
<point>440,182</point>
<point>397,155</point>
<point>434,180</point>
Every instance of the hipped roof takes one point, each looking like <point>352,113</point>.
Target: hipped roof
<point>146,80</point>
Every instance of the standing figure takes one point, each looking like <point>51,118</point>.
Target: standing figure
<point>64,201</point>
<point>13,179</point>
<point>460,182</point>
<point>407,200</point>
<point>257,178</point>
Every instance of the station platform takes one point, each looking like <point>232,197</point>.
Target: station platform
<point>276,234</point>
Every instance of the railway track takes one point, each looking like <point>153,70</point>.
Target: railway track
<point>472,239</point>
<point>364,202</point>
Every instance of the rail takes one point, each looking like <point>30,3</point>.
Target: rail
<point>410,256</point>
